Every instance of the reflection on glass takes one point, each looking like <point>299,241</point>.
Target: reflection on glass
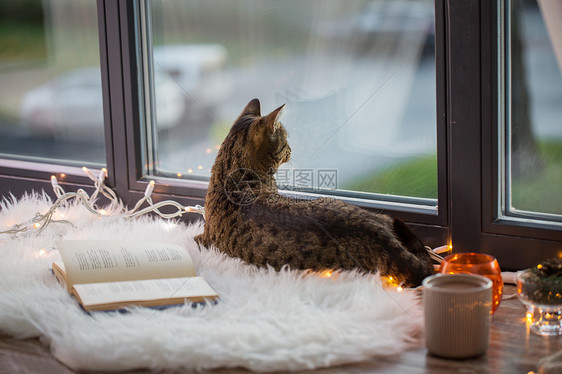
<point>50,82</point>
<point>357,78</point>
<point>534,138</point>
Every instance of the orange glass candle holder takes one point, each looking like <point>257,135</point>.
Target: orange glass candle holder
<point>476,263</point>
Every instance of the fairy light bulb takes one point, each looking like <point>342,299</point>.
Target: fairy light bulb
<point>54,181</point>
<point>42,252</point>
<point>530,313</point>
<point>89,174</point>
<point>326,274</point>
<point>102,175</point>
<point>149,189</point>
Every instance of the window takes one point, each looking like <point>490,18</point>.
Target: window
<point>532,125</point>
<point>448,115</point>
<point>358,78</point>
<point>51,107</point>
<point>521,220</point>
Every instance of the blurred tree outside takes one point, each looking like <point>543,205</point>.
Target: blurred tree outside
<point>22,32</point>
<point>526,161</point>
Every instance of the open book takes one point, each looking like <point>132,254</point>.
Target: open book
<point>109,274</point>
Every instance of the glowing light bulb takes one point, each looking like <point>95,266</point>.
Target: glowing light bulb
<point>217,147</point>
<point>62,175</point>
<point>208,150</point>
<point>103,212</point>
<point>190,170</point>
<point>54,181</point>
<point>529,314</point>
<point>179,175</point>
<point>200,167</point>
<point>102,175</point>
<point>149,189</point>
<point>36,225</point>
<point>89,173</point>
<point>326,274</point>
<point>399,289</point>
<point>42,252</point>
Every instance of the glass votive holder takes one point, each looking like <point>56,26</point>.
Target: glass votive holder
<point>480,264</point>
<point>544,294</point>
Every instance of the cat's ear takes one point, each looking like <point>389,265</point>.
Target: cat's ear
<point>272,119</point>
<point>253,108</point>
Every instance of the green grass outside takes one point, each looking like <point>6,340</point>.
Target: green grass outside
<point>219,130</point>
<point>416,177</point>
<point>543,192</point>
<point>22,42</point>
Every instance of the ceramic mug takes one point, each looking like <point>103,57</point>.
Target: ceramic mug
<point>457,311</point>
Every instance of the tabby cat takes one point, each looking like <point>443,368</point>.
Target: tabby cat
<point>246,217</point>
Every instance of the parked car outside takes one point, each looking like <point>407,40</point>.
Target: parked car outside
<point>199,70</point>
<point>187,81</point>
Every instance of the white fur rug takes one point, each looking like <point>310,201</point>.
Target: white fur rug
<point>265,320</point>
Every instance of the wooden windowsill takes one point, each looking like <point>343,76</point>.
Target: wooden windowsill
<point>512,350</point>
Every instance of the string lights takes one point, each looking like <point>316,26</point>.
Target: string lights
<point>40,221</point>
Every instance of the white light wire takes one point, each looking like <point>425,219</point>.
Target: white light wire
<point>40,221</point>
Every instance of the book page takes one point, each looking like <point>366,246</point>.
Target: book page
<point>59,271</point>
<point>164,290</point>
<point>92,261</point>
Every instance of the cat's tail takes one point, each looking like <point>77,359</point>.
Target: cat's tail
<point>421,268</point>
<point>407,237</point>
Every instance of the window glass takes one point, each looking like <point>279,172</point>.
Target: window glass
<point>534,128</point>
<point>357,78</point>
<point>50,82</point>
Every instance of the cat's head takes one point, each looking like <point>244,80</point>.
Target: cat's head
<point>256,142</point>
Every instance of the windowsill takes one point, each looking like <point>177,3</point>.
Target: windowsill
<point>38,166</point>
<point>512,350</point>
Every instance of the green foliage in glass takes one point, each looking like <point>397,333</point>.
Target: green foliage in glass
<point>544,283</point>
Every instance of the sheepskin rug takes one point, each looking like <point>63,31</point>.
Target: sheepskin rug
<point>265,320</point>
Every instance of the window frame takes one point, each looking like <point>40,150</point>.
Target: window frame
<point>467,139</point>
<point>517,242</point>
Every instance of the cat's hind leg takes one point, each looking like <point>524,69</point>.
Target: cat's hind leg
<point>201,239</point>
